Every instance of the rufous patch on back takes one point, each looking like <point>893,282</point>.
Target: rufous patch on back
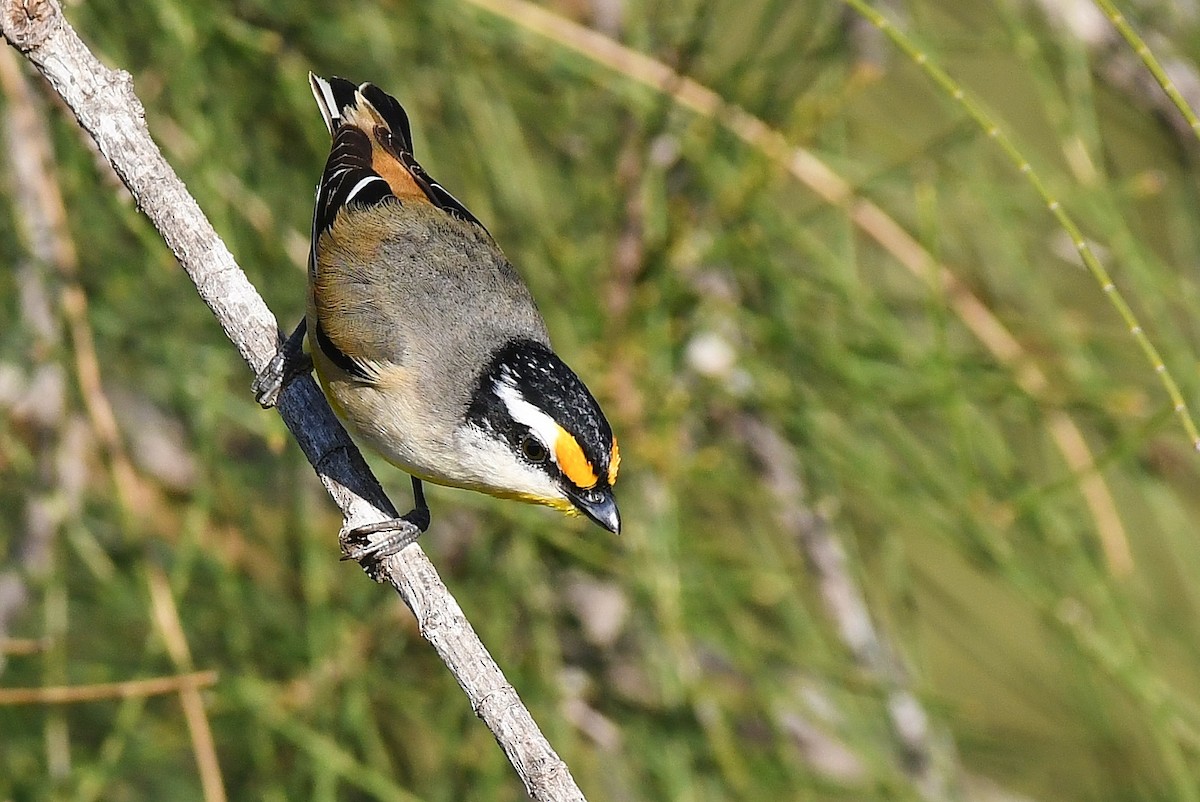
<point>367,119</point>
<point>396,174</point>
<point>572,462</point>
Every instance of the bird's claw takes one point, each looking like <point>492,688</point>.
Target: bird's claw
<point>357,545</point>
<point>269,382</point>
<point>289,362</point>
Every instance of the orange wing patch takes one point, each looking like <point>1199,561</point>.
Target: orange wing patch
<point>572,462</point>
<point>367,119</point>
<point>396,174</point>
<point>614,463</point>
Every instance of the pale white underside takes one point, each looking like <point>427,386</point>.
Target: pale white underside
<point>405,430</point>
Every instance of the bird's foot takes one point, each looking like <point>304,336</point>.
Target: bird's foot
<point>357,544</point>
<point>289,362</point>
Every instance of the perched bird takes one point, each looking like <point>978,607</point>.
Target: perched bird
<point>426,341</point>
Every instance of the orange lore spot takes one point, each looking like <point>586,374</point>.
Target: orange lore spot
<point>614,463</point>
<point>571,461</point>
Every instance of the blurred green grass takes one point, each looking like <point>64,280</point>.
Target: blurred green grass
<point>695,285</point>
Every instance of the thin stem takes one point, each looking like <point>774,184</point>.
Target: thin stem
<point>72,694</point>
<point>988,124</point>
<point>1139,46</point>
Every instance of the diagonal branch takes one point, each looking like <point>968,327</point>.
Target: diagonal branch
<point>106,106</point>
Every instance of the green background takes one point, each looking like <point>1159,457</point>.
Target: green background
<point>778,378</point>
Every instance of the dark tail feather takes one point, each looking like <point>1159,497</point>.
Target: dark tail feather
<point>334,94</point>
<point>349,174</point>
<point>392,113</point>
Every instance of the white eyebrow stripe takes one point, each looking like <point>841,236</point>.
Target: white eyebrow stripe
<point>358,187</point>
<point>524,412</point>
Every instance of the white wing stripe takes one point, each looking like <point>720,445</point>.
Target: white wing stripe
<point>358,187</point>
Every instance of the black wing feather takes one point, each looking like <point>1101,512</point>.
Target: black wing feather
<point>349,171</point>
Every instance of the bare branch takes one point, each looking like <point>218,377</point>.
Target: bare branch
<point>106,106</point>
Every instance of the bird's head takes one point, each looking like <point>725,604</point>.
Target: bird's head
<point>549,441</point>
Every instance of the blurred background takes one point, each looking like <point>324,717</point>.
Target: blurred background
<point>908,513</point>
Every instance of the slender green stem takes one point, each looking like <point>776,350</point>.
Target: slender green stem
<point>988,124</point>
<point>1139,46</point>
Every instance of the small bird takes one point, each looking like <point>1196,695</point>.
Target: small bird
<point>425,339</point>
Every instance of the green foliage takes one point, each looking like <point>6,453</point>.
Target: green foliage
<point>702,290</point>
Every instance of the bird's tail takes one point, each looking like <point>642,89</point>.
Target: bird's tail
<point>372,155</point>
<point>341,103</point>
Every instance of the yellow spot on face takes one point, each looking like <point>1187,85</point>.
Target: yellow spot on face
<point>572,462</point>
<point>614,463</point>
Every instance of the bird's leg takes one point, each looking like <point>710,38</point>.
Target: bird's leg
<point>289,362</point>
<point>403,530</point>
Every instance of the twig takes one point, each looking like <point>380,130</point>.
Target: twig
<point>166,617</point>
<point>106,106</point>
<point>70,694</point>
<point>23,646</point>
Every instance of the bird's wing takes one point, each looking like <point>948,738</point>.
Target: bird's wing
<point>372,154</point>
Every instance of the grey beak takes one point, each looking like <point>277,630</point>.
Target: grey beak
<point>600,506</point>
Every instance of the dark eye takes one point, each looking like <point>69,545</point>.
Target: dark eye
<point>533,449</point>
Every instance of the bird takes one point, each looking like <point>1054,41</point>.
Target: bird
<point>425,340</point>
